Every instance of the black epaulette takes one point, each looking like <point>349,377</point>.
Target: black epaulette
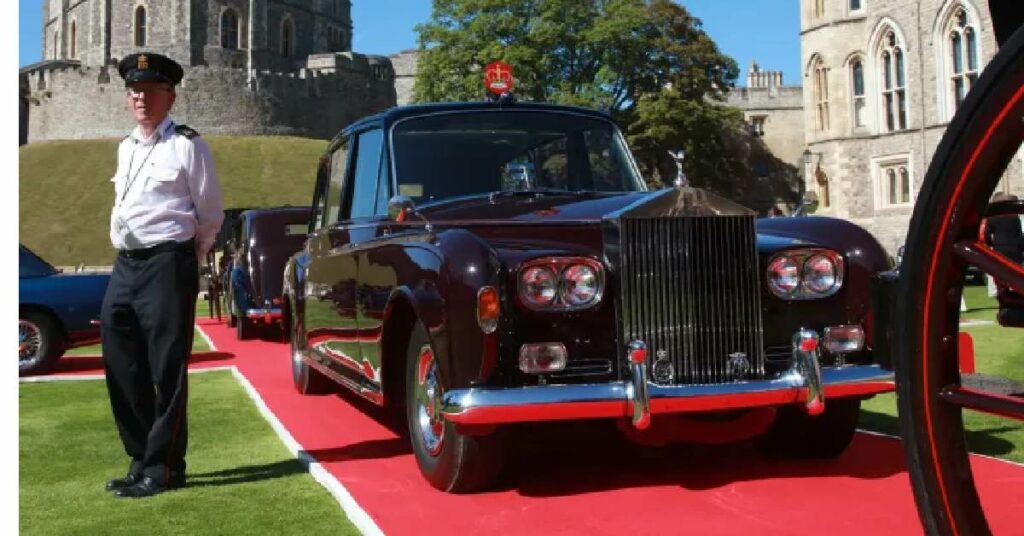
<point>186,131</point>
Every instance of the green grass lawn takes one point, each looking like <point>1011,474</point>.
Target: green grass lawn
<point>998,351</point>
<point>65,193</point>
<point>241,479</point>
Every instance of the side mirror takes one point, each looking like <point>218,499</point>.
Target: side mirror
<point>400,206</point>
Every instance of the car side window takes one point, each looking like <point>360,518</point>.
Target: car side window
<point>367,170</point>
<point>316,216</point>
<point>383,186</point>
<point>335,182</point>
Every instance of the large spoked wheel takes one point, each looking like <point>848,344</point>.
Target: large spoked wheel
<point>40,344</point>
<point>944,237</point>
<point>449,459</point>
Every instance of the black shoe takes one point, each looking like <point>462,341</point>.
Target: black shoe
<point>121,483</point>
<point>148,486</point>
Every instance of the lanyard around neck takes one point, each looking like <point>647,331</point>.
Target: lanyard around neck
<point>129,181</point>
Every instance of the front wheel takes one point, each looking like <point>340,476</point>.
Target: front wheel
<point>40,344</point>
<point>797,434</point>
<point>449,460</point>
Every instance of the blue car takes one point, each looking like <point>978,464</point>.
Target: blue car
<point>56,311</point>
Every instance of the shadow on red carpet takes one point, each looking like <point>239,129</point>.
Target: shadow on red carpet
<point>585,478</point>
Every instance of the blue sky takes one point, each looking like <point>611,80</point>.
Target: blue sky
<point>765,30</point>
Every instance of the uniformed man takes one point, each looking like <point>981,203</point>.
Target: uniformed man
<point>167,211</point>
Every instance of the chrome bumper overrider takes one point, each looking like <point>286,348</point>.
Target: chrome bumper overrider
<point>805,383</point>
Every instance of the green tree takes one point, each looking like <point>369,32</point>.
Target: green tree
<point>648,63</point>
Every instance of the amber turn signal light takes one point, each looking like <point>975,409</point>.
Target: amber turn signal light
<point>488,309</point>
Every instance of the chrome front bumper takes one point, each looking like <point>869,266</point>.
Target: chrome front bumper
<point>804,383</point>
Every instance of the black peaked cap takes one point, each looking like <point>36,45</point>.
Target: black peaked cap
<point>144,66</point>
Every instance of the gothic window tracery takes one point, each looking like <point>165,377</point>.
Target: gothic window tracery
<point>963,56</point>
<point>229,29</point>
<point>859,96</point>
<point>140,26</point>
<point>820,92</point>
<point>892,66</point>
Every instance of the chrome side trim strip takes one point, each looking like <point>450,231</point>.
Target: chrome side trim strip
<point>615,399</point>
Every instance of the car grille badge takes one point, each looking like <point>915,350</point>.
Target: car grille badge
<point>663,371</point>
<point>738,365</point>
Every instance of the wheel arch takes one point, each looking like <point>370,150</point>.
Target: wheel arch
<point>24,308</point>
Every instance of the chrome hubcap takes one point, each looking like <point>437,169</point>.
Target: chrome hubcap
<point>30,339</point>
<point>428,393</point>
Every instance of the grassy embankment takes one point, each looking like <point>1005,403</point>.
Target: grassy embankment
<point>65,192</point>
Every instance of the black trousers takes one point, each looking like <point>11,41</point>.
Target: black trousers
<point>147,327</point>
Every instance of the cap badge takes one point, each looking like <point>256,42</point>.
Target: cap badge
<point>143,62</point>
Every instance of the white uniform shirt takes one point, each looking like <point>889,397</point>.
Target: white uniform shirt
<point>165,188</point>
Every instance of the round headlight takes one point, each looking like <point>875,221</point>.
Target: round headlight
<point>819,274</point>
<point>783,276</point>
<point>580,285</point>
<point>538,286</point>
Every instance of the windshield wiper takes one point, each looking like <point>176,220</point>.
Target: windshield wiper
<point>533,192</point>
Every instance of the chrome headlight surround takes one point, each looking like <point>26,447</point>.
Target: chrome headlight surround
<point>820,272</point>
<point>571,273</point>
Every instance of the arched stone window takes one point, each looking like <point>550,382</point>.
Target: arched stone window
<point>962,59</point>
<point>140,26</point>
<point>229,29</point>
<point>893,79</point>
<point>287,37</point>
<point>56,45</point>
<point>819,8</point>
<point>858,96</point>
<point>74,40</point>
<point>820,94</point>
<point>893,188</point>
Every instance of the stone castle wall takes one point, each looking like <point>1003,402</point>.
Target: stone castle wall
<point>74,102</point>
<point>405,65</point>
<point>781,110</point>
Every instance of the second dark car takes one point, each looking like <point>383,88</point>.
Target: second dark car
<point>264,239</point>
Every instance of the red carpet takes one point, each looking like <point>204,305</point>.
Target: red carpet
<point>584,479</point>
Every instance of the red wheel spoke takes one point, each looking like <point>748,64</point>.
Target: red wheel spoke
<point>1003,405</point>
<point>991,262</point>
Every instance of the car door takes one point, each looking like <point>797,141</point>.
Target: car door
<point>330,311</point>
<point>376,276</point>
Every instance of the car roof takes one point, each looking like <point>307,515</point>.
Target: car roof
<point>392,115</point>
<point>286,209</point>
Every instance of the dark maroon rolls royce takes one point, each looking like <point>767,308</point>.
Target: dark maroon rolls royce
<point>263,241</point>
<point>482,264</point>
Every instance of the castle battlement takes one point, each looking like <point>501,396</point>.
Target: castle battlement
<point>275,67</point>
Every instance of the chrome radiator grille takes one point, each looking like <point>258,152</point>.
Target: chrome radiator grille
<point>690,290</point>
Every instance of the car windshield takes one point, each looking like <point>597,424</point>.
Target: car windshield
<point>460,154</point>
